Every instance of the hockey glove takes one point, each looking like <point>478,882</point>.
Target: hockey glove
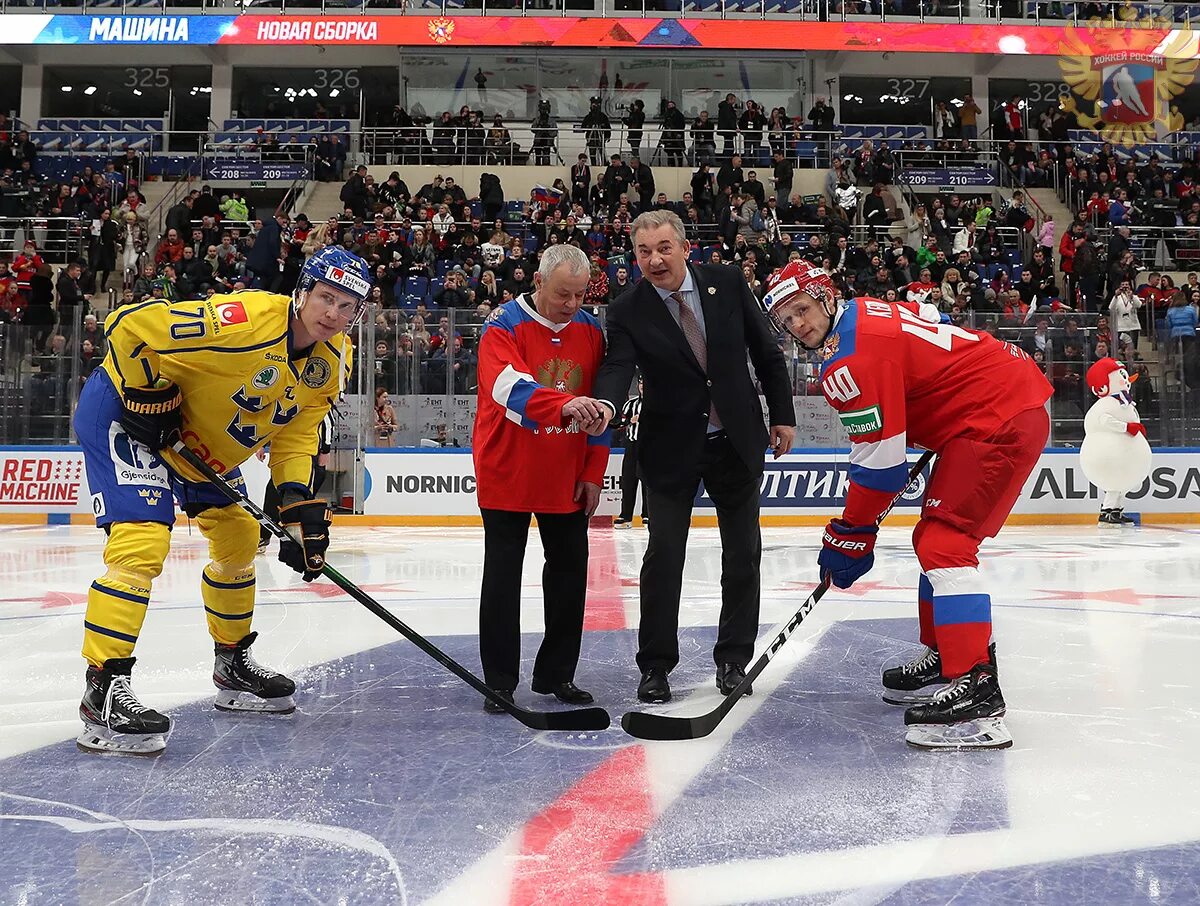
<point>1133,429</point>
<point>848,552</point>
<point>307,522</point>
<point>153,415</point>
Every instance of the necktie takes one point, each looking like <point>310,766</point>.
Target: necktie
<point>695,337</point>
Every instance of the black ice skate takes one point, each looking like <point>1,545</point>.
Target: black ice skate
<point>1115,516</point>
<point>244,685</point>
<point>967,714</point>
<point>113,719</point>
<point>913,683</point>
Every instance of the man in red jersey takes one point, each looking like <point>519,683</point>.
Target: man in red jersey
<point>898,377</point>
<point>538,356</point>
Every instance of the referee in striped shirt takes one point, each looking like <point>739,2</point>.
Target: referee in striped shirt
<point>631,413</point>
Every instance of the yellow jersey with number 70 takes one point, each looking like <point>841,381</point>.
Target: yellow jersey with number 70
<point>243,382</point>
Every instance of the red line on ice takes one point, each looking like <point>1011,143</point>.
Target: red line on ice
<point>605,604</point>
<point>569,849</point>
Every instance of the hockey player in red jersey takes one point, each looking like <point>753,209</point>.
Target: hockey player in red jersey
<point>900,378</point>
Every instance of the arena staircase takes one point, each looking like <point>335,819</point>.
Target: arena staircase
<point>320,200</point>
<point>1047,200</point>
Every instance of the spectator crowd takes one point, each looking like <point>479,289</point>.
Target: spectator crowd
<point>443,246</point>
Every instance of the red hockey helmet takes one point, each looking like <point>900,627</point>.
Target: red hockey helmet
<point>797,277</point>
<point>1100,377</point>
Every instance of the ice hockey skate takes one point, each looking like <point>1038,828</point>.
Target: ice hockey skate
<point>1115,516</point>
<point>918,680</point>
<point>245,685</point>
<point>966,714</point>
<point>114,720</point>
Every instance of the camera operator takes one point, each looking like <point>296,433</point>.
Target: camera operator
<point>727,123</point>
<point>1159,211</point>
<point>545,134</point>
<point>820,118</point>
<point>597,131</point>
<point>22,150</point>
<point>634,120</point>
<point>674,124</point>
<point>752,125</point>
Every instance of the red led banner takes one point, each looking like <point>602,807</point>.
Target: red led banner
<point>504,31</point>
<point>549,31</point>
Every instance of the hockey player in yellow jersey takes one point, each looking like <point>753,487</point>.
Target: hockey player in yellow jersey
<point>225,375</point>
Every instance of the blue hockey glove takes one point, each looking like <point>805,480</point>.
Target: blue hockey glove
<point>847,553</point>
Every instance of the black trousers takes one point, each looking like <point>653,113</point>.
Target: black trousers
<point>734,490</point>
<point>271,508</point>
<point>564,589</point>
<point>629,482</point>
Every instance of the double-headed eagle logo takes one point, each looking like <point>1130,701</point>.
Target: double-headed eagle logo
<point>441,30</point>
<point>563,375</point>
<point>1130,91</point>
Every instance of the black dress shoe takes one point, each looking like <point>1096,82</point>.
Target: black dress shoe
<point>654,687</point>
<point>729,675</point>
<point>567,693</point>
<point>491,707</point>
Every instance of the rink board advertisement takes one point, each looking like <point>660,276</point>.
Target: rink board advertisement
<point>569,31</point>
<point>43,480</point>
<point>804,483</point>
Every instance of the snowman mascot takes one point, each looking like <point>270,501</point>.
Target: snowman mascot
<point>1115,455</point>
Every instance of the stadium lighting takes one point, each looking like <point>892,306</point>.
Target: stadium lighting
<point>66,87</point>
<point>137,92</point>
<point>91,89</point>
<point>334,92</point>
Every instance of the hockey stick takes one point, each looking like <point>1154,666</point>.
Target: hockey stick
<point>642,725</point>
<point>578,719</point>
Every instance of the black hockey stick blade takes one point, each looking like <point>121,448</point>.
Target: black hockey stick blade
<point>580,719</point>
<point>642,725</point>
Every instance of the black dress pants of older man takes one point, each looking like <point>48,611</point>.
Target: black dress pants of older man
<point>564,590</point>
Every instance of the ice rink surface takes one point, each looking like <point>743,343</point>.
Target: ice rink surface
<point>389,785</point>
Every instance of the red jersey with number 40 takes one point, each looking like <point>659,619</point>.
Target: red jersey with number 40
<point>899,378</point>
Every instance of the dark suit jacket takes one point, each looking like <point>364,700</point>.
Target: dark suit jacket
<point>674,420</point>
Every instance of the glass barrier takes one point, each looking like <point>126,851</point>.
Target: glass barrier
<point>416,379</point>
<point>44,367</point>
<point>56,240</point>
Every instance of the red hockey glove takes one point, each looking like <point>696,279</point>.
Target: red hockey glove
<point>1133,429</point>
<point>848,552</point>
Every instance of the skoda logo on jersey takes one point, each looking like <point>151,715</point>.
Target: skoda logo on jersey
<point>316,373</point>
<point>265,378</point>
